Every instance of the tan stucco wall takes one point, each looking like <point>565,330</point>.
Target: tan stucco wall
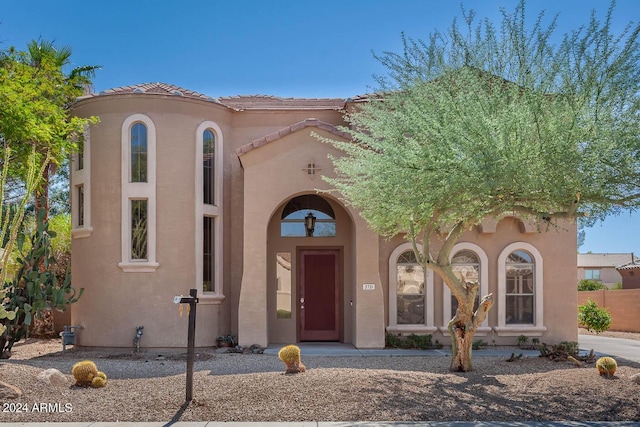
<point>256,186</point>
<point>115,302</point>
<point>282,162</point>
<point>608,275</point>
<point>557,247</point>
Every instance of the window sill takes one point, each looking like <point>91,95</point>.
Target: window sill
<point>211,299</point>
<point>517,330</point>
<point>482,331</point>
<point>415,329</point>
<point>139,267</point>
<point>79,233</point>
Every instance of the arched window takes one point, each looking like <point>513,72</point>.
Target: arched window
<point>520,291</point>
<point>138,153</point>
<point>208,167</point>
<point>410,290</point>
<point>308,216</point>
<point>470,262</point>
<point>209,210</point>
<point>466,267</point>
<point>138,195</point>
<point>410,293</point>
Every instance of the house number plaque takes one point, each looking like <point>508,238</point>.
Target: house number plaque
<point>368,286</point>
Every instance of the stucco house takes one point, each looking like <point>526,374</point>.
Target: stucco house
<point>603,266</point>
<point>177,190</point>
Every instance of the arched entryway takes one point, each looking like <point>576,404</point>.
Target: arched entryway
<point>309,245</point>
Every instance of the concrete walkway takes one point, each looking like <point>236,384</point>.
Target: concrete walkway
<point>331,349</point>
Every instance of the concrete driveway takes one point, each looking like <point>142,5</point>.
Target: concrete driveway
<point>608,346</point>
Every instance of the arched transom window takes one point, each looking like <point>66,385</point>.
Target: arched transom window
<point>308,216</point>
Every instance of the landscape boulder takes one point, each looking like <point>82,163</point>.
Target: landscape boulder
<point>8,391</point>
<point>53,377</point>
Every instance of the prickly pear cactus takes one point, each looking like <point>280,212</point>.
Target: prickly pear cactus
<point>290,355</point>
<point>606,366</point>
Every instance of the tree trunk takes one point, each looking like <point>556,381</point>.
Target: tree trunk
<point>462,329</point>
<point>461,348</point>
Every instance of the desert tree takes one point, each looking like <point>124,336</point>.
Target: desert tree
<point>36,131</point>
<point>485,120</point>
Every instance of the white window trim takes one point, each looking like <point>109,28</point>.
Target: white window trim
<point>215,211</point>
<point>515,330</point>
<point>81,178</point>
<point>393,327</point>
<point>484,328</point>
<point>138,191</point>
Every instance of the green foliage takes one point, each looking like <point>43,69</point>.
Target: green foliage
<point>522,340</point>
<point>590,285</point>
<point>593,318</point>
<point>484,120</point>
<point>35,287</point>
<point>616,287</point>
<point>478,344</point>
<point>422,342</point>
<point>283,314</point>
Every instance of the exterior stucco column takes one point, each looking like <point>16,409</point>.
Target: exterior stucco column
<point>252,306</point>
<point>369,303</point>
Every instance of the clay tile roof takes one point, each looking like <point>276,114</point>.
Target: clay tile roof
<point>268,102</point>
<point>291,129</point>
<point>630,266</point>
<point>156,88</point>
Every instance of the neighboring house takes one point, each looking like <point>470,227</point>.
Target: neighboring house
<point>177,190</point>
<point>630,273</point>
<point>602,267</point>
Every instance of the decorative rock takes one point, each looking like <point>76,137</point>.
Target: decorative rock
<point>53,376</point>
<point>8,391</point>
<point>635,378</point>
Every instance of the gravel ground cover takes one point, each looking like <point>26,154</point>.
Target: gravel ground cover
<point>150,386</point>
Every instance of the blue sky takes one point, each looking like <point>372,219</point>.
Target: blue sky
<point>289,48</point>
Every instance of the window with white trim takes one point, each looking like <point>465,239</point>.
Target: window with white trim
<point>592,274</point>
<point>209,209</point>
<point>410,293</point>
<point>81,188</point>
<point>138,189</point>
<point>520,291</point>
<point>469,261</point>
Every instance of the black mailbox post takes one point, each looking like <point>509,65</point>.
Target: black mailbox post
<point>192,300</point>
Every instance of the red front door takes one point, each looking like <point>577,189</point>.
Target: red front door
<point>319,295</point>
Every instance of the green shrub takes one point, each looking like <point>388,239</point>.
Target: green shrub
<point>392,341</point>
<point>593,318</point>
<point>616,286</point>
<point>283,314</point>
<point>478,344</point>
<point>590,285</point>
<point>418,341</point>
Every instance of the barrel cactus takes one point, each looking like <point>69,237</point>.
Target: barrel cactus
<point>86,374</point>
<point>98,382</point>
<point>606,366</point>
<point>290,355</point>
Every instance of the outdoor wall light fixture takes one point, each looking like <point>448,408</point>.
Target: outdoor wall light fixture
<point>310,224</point>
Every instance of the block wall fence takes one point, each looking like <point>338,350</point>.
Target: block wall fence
<point>623,304</point>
